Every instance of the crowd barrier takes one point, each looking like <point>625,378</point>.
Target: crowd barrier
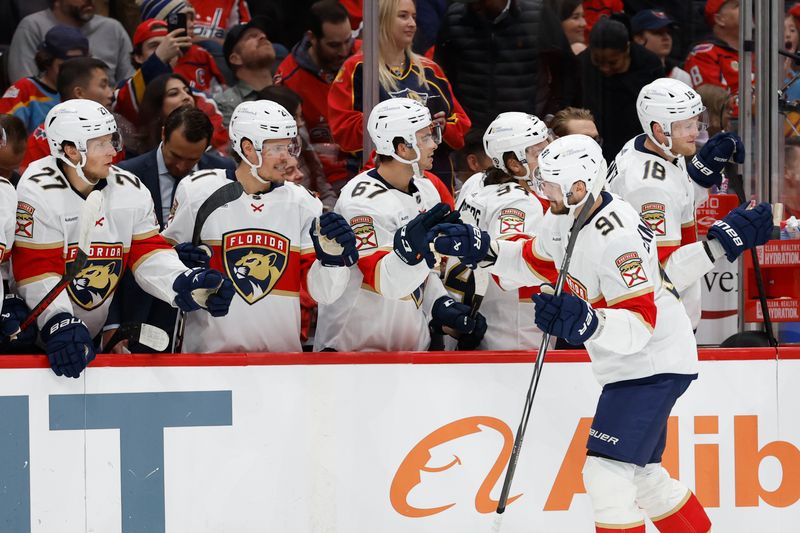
<point>352,443</point>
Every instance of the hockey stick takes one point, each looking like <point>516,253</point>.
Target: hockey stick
<point>144,334</point>
<point>537,367</point>
<point>224,195</point>
<point>89,213</point>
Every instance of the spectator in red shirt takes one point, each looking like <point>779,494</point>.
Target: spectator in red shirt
<point>80,77</point>
<point>716,60</point>
<point>402,73</point>
<point>309,71</point>
<point>593,10</point>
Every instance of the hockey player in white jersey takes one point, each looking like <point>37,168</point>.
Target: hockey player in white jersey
<point>501,202</point>
<point>83,140</point>
<point>651,174</point>
<point>636,331</point>
<point>269,241</point>
<point>394,294</point>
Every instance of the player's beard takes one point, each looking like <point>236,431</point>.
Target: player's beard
<point>78,13</point>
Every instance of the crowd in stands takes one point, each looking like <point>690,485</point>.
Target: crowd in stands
<point>579,65</point>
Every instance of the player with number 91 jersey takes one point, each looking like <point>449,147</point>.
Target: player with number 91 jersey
<point>504,211</point>
<point>383,308</point>
<point>125,236</point>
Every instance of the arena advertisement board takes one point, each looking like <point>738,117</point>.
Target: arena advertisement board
<point>368,443</point>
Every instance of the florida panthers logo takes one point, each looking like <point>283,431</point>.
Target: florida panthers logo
<point>255,260</point>
<point>96,282</point>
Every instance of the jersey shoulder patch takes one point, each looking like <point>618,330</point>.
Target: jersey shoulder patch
<point>364,228</point>
<point>631,269</point>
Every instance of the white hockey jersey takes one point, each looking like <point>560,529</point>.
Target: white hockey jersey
<point>262,243</point>
<point>614,267</point>
<point>386,306</point>
<point>8,206</point>
<point>125,236</point>
<point>504,211</point>
<point>664,195</point>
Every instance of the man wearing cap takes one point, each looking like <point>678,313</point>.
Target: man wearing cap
<point>29,99</point>
<point>250,56</point>
<point>108,40</point>
<point>715,61</point>
<point>653,30</point>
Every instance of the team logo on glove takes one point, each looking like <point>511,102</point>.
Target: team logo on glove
<point>364,229</point>
<point>631,269</point>
<point>98,279</point>
<point>654,215</point>
<point>255,261</point>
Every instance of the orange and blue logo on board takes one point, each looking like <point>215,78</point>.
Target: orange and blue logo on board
<point>255,260</point>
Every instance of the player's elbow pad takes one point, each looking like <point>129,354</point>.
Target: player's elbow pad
<point>622,331</point>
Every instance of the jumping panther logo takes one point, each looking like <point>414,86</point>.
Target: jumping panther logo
<point>255,261</point>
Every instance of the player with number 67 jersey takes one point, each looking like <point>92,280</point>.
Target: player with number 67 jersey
<point>501,202</point>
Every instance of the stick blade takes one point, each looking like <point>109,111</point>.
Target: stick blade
<point>153,337</point>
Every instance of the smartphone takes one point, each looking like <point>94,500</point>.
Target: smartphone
<point>176,21</point>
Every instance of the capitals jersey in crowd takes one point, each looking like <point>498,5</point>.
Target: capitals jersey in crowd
<point>262,243</point>
<point>665,197</point>
<point>614,267</point>
<point>29,100</point>
<point>214,17</point>
<point>386,306</point>
<point>125,236</point>
<point>8,205</point>
<point>504,211</point>
<point>714,62</point>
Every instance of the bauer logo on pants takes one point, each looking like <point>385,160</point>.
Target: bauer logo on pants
<point>254,260</point>
<point>96,282</point>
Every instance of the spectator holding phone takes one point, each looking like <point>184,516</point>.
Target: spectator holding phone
<point>402,73</point>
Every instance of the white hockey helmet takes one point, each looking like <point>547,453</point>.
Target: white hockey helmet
<point>398,117</point>
<point>568,160</point>
<point>261,121</point>
<point>665,101</point>
<point>513,132</point>
<point>78,121</point>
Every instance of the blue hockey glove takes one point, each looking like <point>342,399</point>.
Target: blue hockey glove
<point>706,166</point>
<point>565,316</point>
<point>13,313</point>
<point>471,341</point>
<point>455,315</point>
<point>461,240</point>
<point>334,241</point>
<point>193,256</point>
<point>203,287</point>
<point>742,229</point>
<point>411,242</point>
<point>68,344</point>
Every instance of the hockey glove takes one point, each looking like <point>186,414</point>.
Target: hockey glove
<point>411,242</point>
<point>334,241</point>
<point>193,256</point>
<point>707,164</point>
<point>69,345</point>
<point>742,229</point>
<point>565,316</point>
<point>447,312</point>
<point>13,313</point>
<point>203,287</point>
<point>461,240</point>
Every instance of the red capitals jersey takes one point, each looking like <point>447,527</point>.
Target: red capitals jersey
<point>214,17</point>
<point>299,73</point>
<point>199,68</point>
<point>345,105</point>
<point>125,236</point>
<point>715,63</point>
<point>262,243</point>
<point>594,9</point>
<point>38,148</point>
